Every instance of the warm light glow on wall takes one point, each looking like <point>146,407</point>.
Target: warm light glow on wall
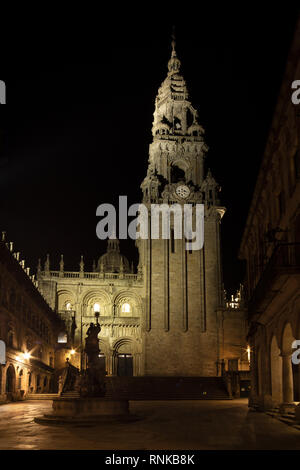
<point>248,352</point>
<point>62,337</point>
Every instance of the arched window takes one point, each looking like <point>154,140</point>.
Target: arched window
<point>62,337</point>
<point>126,308</point>
<point>68,306</point>
<point>96,307</point>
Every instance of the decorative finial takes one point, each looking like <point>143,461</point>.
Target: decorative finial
<point>173,43</point>
<point>113,234</point>
<point>61,263</point>
<point>81,264</point>
<point>174,63</point>
<point>47,264</point>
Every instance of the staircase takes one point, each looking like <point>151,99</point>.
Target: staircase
<point>72,394</point>
<point>41,396</point>
<point>287,418</point>
<point>166,388</point>
<point>154,388</point>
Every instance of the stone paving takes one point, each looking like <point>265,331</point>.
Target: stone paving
<point>165,425</point>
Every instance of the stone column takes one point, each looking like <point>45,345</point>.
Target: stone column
<point>287,379</point>
<point>109,364</point>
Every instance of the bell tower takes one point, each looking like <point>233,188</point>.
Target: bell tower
<point>183,288</point>
<point>177,152</point>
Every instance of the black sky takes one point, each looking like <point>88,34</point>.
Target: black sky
<point>77,124</point>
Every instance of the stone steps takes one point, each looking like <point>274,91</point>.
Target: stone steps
<point>167,388</point>
<point>41,396</point>
<point>288,417</point>
<point>155,388</point>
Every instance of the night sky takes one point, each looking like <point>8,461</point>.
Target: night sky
<point>77,125</point>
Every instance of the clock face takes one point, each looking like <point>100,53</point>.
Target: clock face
<point>182,191</point>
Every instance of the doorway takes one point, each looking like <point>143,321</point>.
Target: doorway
<point>10,379</point>
<point>125,365</point>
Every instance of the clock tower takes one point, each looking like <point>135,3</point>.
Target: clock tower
<point>183,288</point>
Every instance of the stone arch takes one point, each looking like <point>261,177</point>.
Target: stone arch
<point>276,371</point>
<point>97,296</point>
<point>124,345</point>
<point>126,350</point>
<point>287,338</point>
<point>288,372</point>
<point>65,296</point>
<point>132,299</point>
<point>10,386</point>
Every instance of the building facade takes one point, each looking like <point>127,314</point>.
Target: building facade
<point>28,328</point>
<point>271,247</point>
<point>167,318</point>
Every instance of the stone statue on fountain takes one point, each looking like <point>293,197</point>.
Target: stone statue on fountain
<point>91,381</point>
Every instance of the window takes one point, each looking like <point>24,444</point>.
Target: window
<point>126,308</point>
<point>96,307</point>
<point>62,337</point>
<point>68,306</point>
<point>172,241</point>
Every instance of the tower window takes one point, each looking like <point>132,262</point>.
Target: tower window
<point>177,174</point>
<point>172,241</point>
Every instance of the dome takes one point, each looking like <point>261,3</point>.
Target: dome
<point>112,260</point>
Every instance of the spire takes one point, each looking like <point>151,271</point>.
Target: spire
<point>47,264</point>
<point>174,63</point>
<point>39,267</point>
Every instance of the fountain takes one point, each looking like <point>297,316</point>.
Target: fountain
<point>82,394</point>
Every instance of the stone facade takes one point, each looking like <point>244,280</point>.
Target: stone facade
<point>29,329</point>
<point>164,317</point>
<point>271,247</point>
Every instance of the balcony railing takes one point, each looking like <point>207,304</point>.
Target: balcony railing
<point>284,262</point>
<point>90,275</point>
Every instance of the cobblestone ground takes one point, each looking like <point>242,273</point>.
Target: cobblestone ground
<point>165,425</point>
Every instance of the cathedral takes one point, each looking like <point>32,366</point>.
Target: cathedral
<point>168,316</point>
